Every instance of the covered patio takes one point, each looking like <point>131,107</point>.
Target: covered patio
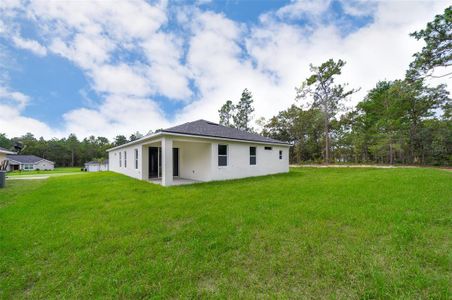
<point>176,161</point>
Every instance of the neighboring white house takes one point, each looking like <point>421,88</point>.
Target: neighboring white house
<point>28,163</point>
<point>95,166</point>
<point>199,151</point>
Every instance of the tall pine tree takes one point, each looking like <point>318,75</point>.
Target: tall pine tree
<point>244,111</point>
<point>226,114</point>
<point>326,95</point>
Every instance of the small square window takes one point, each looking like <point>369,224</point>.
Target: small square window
<point>222,160</point>
<point>252,150</point>
<point>222,150</point>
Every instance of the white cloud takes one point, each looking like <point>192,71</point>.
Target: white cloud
<point>359,8</point>
<point>12,122</point>
<point>117,115</point>
<point>84,50</point>
<point>130,63</point>
<point>16,124</point>
<point>31,45</point>
<point>121,79</point>
<point>303,8</point>
<point>13,98</point>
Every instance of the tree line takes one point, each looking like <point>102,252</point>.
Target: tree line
<point>405,121</point>
<point>65,152</point>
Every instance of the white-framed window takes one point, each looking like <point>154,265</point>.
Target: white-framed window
<point>280,154</point>
<point>120,160</point>
<point>136,158</point>
<point>125,159</point>
<point>28,166</point>
<point>252,155</point>
<point>268,148</point>
<point>222,155</point>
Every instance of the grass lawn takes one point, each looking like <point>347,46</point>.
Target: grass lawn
<point>54,171</point>
<point>320,233</point>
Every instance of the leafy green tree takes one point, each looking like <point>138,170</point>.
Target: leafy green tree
<point>244,110</point>
<point>227,113</point>
<point>5,142</point>
<point>326,95</point>
<point>421,102</point>
<point>437,51</point>
<point>302,128</point>
<point>343,138</point>
<point>120,140</point>
<point>28,142</point>
<point>384,110</point>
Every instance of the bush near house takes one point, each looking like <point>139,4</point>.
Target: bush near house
<point>323,233</point>
<point>54,171</point>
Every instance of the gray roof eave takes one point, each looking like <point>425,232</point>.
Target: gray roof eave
<point>227,138</point>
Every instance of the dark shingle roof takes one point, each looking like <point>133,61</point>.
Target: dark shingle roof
<point>25,159</point>
<point>210,129</point>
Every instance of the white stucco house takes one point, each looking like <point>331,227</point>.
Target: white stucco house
<point>199,151</point>
<point>29,163</point>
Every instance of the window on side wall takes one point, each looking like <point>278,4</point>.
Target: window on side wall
<point>252,155</point>
<point>268,148</point>
<point>222,155</point>
<point>120,160</point>
<point>280,154</point>
<point>125,159</point>
<point>136,158</point>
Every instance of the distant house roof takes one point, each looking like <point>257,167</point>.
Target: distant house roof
<point>26,159</point>
<point>6,151</point>
<point>210,129</point>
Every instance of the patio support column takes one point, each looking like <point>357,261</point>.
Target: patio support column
<point>144,156</point>
<point>167,161</point>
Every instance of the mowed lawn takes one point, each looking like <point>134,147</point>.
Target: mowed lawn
<point>319,233</point>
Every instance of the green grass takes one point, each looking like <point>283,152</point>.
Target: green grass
<point>312,233</point>
<point>42,172</point>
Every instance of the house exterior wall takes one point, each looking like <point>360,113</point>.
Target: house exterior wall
<point>2,156</point>
<point>238,166</point>
<point>129,169</point>
<point>97,167</point>
<point>43,165</point>
<point>194,160</point>
<point>92,168</point>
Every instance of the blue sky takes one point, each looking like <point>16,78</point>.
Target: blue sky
<point>102,69</point>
